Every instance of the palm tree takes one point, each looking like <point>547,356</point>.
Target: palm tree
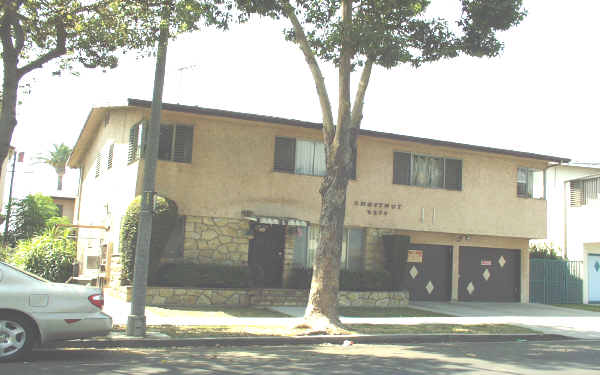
<point>58,160</point>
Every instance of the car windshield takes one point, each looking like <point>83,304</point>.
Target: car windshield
<point>29,274</point>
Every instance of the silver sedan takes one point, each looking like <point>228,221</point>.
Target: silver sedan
<point>35,311</point>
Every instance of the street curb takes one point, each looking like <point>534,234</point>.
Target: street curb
<point>297,340</point>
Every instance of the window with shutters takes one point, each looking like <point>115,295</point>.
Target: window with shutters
<point>98,164</point>
<point>427,171</point>
<point>530,183</point>
<point>175,143</point>
<point>302,157</point>
<point>109,156</point>
<point>352,254</point>
<point>136,144</point>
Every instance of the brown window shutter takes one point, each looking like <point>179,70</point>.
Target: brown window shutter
<point>133,139</point>
<point>98,164</point>
<point>111,150</point>
<point>165,142</point>
<point>453,174</point>
<point>401,168</point>
<point>285,154</point>
<point>184,138</point>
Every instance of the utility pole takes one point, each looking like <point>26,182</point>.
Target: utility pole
<point>136,321</point>
<point>9,204</point>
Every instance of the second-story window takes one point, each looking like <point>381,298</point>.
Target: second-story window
<point>584,191</point>
<point>530,183</point>
<point>427,171</point>
<point>302,157</point>
<point>176,142</point>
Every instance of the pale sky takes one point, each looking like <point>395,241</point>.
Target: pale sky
<point>539,96</point>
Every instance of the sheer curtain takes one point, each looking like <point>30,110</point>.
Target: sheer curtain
<point>436,170</point>
<point>305,151</point>
<point>319,162</point>
<point>420,175</point>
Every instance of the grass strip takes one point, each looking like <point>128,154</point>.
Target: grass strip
<point>350,329</point>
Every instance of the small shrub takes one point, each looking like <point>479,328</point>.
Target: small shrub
<point>49,255</point>
<point>543,251</point>
<point>203,275</point>
<point>6,253</point>
<point>164,218</point>
<point>366,280</point>
<point>300,278</point>
<point>29,216</point>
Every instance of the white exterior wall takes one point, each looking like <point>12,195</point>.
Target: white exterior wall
<point>557,204</point>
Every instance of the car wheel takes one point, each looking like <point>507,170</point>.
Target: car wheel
<point>16,336</point>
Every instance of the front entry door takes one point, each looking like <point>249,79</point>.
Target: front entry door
<point>265,255</point>
<point>594,278</point>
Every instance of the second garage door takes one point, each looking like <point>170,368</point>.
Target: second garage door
<point>489,274</point>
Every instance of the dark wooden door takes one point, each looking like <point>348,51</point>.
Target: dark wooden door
<point>428,276</point>
<point>265,255</point>
<point>489,274</point>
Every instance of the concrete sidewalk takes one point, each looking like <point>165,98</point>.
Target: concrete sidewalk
<point>541,318</point>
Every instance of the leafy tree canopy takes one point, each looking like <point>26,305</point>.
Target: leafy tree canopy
<point>393,32</point>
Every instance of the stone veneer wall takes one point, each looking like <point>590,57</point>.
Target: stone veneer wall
<point>212,240</point>
<point>257,297</point>
<point>288,257</point>
<point>374,253</point>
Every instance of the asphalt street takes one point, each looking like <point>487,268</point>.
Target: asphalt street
<point>555,357</point>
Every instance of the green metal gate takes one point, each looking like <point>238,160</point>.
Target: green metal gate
<point>554,281</point>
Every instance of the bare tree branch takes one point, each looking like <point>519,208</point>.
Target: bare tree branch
<point>357,108</point>
<point>59,50</point>
<point>328,127</point>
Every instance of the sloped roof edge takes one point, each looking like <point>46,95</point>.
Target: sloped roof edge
<point>305,124</point>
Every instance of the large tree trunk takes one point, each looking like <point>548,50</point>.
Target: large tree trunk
<point>8,117</point>
<point>321,311</point>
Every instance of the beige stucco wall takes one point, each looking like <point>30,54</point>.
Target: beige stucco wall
<point>232,169</point>
<point>68,205</point>
<point>104,199</point>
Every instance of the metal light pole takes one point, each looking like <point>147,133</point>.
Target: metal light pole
<point>136,321</point>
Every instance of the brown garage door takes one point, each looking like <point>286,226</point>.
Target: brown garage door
<point>428,272</point>
<point>489,274</point>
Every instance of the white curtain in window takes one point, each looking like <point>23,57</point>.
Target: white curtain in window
<point>420,176</point>
<point>319,162</point>
<point>436,172</point>
<point>305,151</point>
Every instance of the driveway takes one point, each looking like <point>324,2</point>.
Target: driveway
<point>548,319</point>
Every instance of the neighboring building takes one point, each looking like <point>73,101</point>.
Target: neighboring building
<point>66,206</point>
<point>572,192</point>
<point>247,188</point>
